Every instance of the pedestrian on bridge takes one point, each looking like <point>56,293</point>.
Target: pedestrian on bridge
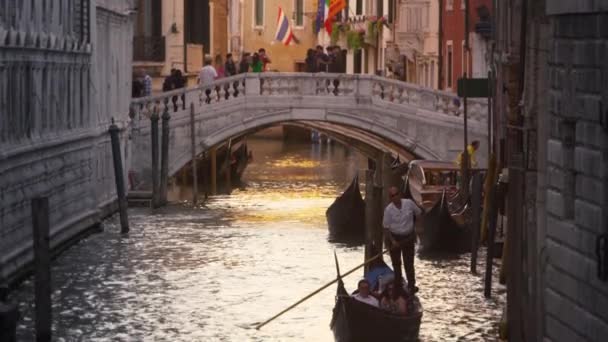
<point>398,223</point>
<point>206,77</point>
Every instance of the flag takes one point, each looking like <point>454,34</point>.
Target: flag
<point>284,33</point>
<point>320,15</point>
<point>333,8</point>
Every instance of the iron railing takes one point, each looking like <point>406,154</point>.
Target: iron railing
<point>149,49</point>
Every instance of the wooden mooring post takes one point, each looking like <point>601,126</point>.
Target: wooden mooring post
<point>193,146</point>
<point>487,289</point>
<point>373,206</point>
<point>228,162</point>
<point>476,222</point>
<point>119,178</point>
<point>213,178</point>
<point>164,158</point>
<point>9,315</point>
<point>155,175</point>
<point>42,265</point>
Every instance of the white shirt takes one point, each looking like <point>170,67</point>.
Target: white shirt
<point>367,300</point>
<point>207,75</point>
<point>400,221</point>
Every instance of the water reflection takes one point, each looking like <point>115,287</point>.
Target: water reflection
<point>206,273</point>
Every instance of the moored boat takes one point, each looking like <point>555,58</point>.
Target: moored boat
<point>433,186</point>
<point>354,321</point>
<point>346,216</point>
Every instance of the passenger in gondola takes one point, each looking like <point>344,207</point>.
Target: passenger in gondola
<point>393,299</point>
<point>364,295</point>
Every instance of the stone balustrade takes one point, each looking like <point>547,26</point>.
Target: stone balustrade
<point>322,85</point>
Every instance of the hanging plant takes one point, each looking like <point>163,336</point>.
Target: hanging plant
<point>335,33</point>
<point>354,39</point>
<point>372,30</point>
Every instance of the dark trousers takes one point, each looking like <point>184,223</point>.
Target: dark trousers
<point>407,250</point>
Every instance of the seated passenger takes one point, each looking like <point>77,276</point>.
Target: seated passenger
<point>364,295</point>
<point>393,299</point>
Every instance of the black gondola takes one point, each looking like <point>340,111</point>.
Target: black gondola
<point>441,234</point>
<point>354,321</point>
<point>346,216</point>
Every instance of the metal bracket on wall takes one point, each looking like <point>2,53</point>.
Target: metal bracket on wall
<point>601,250</point>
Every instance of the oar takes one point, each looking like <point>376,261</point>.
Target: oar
<point>320,289</point>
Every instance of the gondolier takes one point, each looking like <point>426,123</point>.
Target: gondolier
<point>398,223</point>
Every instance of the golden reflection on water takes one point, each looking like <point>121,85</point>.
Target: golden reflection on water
<point>204,273</point>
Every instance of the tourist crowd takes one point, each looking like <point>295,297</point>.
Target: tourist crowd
<point>316,60</point>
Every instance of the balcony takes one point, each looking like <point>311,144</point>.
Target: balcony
<point>149,49</point>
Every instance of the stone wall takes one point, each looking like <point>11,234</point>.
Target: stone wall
<point>61,80</point>
<point>577,172</point>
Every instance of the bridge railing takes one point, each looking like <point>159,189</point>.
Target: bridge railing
<point>370,88</point>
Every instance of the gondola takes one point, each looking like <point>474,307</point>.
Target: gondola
<point>354,321</point>
<point>441,233</point>
<point>346,216</point>
<point>433,186</point>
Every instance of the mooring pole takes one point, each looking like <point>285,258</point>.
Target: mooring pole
<point>370,221</point>
<point>487,289</point>
<point>119,177</point>
<point>228,166</point>
<point>193,145</point>
<point>164,157</point>
<point>155,175</point>
<point>9,315</point>
<point>476,222</point>
<point>465,154</point>
<point>42,264</point>
<point>213,178</point>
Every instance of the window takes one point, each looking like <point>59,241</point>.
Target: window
<point>433,74</point>
<point>465,62</point>
<point>391,10</point>
<point>359,7</point>
<point>299,12</point>
<point>448,66</point>
<point>379,8</point>
<point>449,5</point>
<point>258,13</point>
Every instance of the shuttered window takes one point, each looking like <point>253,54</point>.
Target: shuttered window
<point>259,13</point>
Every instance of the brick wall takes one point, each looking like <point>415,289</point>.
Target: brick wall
<point>576,301</point>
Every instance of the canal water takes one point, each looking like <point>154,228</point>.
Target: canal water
<point>207,273</point>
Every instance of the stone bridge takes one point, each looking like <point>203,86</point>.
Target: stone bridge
<point>424,122</point>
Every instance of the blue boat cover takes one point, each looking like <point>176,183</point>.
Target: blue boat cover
<point>375,273</point>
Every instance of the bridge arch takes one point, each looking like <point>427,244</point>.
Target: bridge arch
<point>424,122</point>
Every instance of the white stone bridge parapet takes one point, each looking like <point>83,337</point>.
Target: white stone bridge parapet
<point>426,122</point>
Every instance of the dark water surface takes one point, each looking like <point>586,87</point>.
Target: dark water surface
<point>208,273</point>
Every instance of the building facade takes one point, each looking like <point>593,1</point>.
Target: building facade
<point>417,38</point>
<point>259,25</point>
<point>64,76</point>
<point>552,136</point>
<point>177,34</point>
<point>456,58</point>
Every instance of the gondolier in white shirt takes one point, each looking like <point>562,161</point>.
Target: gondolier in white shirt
<point>398,223</point>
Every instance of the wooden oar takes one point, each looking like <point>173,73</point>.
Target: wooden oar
<point>320,289</point>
